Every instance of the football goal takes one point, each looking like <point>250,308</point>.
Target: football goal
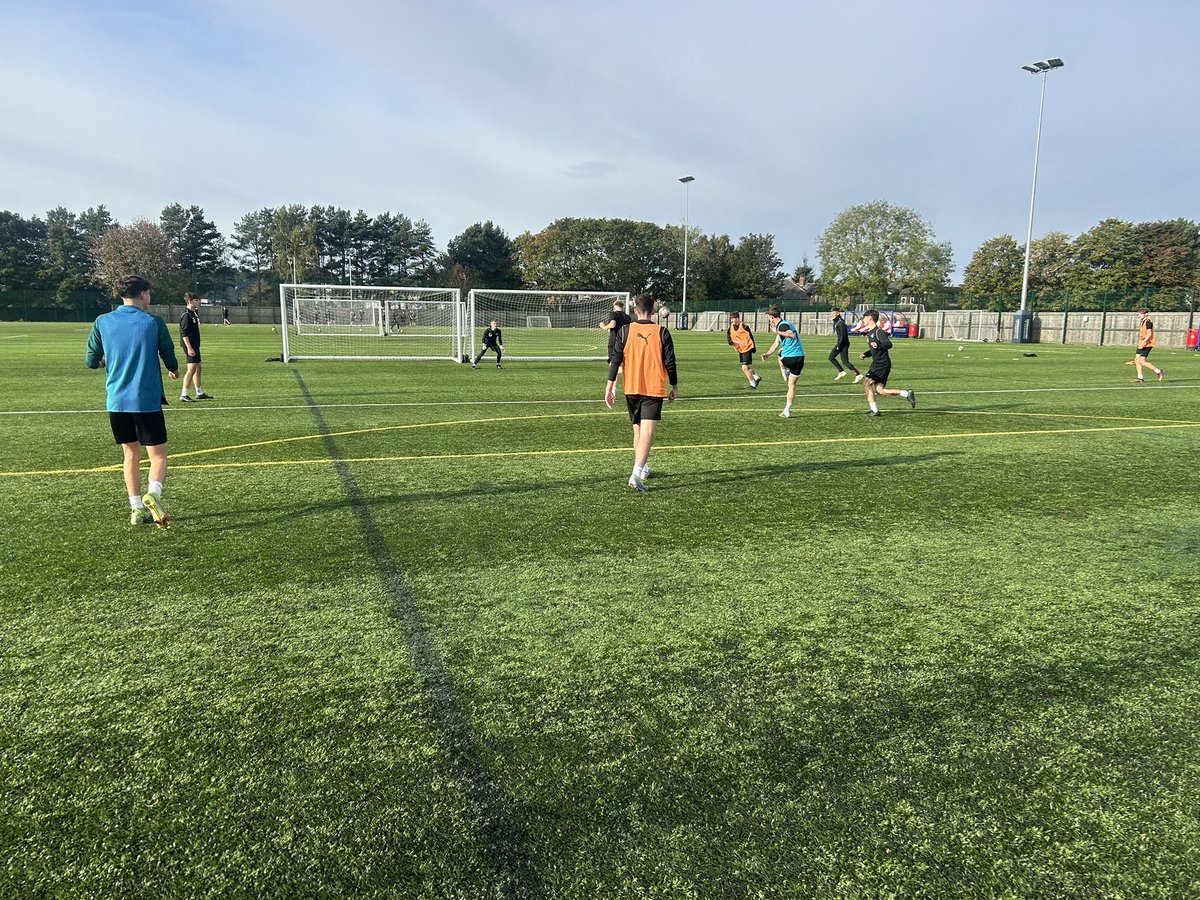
<point>323,321</point>
<point>543,325</point>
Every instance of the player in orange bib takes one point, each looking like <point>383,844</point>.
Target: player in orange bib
<point>1144,345</point>
<point>741,339</point>
<point>647,353</point>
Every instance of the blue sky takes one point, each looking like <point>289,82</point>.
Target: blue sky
<point>523,112</point>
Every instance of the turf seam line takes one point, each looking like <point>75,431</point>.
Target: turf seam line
<point>748,396</point>
<point>502,840</point>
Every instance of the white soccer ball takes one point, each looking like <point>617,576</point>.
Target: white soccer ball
<point>960,348</point>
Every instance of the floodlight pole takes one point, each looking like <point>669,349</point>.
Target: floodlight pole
<point>687,182</point>
<point>1042,68</point>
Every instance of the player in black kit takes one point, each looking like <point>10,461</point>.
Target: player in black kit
<point>841,348</point>
<point>880,343</point>
<point>492,340</point>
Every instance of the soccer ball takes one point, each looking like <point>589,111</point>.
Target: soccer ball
<point>960,347</point>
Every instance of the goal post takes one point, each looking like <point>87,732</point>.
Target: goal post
<point>324,321</point>
<point>543,325</point>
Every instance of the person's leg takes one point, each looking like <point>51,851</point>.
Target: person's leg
<point>133,471</point>
<point>1139,361</point>
<point>748,371</point>
<point>869,390</point>
<point>644,440</point>
<point>158,464</point>
<point>846,360</point>
<point>833,358</point>
<point>189,376</point>
<point>499,353</point>
<point>791,395</point>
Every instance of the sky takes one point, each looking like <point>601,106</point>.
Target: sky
<point>522,112</point>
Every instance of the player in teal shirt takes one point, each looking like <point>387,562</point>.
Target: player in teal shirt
<point>128,342</point>
<point>791,353</point>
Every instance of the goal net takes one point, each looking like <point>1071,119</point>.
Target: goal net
<point>339,322</point>
<point>711,321</point>
<point>964,325</point>
<point>544,325</point>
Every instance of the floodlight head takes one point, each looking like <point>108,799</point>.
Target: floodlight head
<point>686,178</point>
<point>1031,68</point>
<point>1055,62</point>
<point>1042,65</point>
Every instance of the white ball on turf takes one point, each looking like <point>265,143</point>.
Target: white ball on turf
<point>960,348</point>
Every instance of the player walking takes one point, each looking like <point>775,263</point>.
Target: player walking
<point>791,354</point>
<point>128,342</point>
<point>742,340</point>
<point>492,340</point>
<point>880,343</point>
<point>189,339</point>
<point>646,351</point>
<point>1144,345</point>
<point>613,323</point>
<point>841,348</point>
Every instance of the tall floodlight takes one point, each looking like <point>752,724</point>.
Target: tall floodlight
<point>1042,68</point>
<point>687,185</point>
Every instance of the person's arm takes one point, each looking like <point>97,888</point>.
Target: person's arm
<point>166,349</point>
<point>618,358</point>
<point>184,325</point>
<point>1149,342</point>
<point>774,347</point>
<point>668,355</point>
<point>885,341</point>
<point>729,335</point>
<point>500,338</point>
<point>94,358</point>
<point>787,333</point>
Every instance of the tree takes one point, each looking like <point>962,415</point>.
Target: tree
<point>139,248</point>
<point>600,255</point>
<point>199,246</point>
<point>996,267</point>
<point>872,245</point>
<point>294,242</point>
<point>755,267</point>
<point>67,263</point>
<point>1170,259</point>
<point>22,251</point>
<point>252,246</point>
<point>1050,258</point>
<point>484,256</point>
<point>1106,261</point>
<point>804,273</point>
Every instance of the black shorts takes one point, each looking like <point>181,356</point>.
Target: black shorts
<point>793,364</point>
<point>643,407</point>
<point>191,358</point>
<point>879,375</point>
<point>1143,352</point>
<point>746,358</point>
<point>147,428</point>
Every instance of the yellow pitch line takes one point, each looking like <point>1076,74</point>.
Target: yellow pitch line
<point>529,418</point>
<point>574,451</point>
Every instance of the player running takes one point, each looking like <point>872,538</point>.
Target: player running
<point>741,339</point>
<point>492,340</point>
<point>841,348</point>
<point>880,343</point>
<point>646,351</point>
<point>189,339</point>
<point>791,354</point>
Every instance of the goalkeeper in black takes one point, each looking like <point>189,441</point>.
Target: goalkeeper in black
<point>492,340</point>
<point>841,348</point>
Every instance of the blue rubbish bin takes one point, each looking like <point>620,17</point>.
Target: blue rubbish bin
<point>683,321</point>
<point>1022,321</point>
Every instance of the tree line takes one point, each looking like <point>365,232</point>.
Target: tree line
<point>1156,264</point>
<point>871,250</point>
<point>77,257</point>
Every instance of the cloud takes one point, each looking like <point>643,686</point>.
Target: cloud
<point>592,168</point>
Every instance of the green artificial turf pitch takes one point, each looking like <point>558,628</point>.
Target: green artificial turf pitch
<point>411,635</point>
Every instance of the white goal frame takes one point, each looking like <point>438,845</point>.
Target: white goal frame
<point>385,336</point>
<point>583,309</point>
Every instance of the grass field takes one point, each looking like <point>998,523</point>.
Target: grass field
<point>411,635</point>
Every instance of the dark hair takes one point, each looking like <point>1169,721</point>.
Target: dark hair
<point>619,304</point>
<point>644,303</point>
<point>1143,311</point>
<point>834,309</point>
<point>871,314</point>
<point>735,315</point>
<point>774,311</point>
<point>189,296</point>
<point>132,286</point>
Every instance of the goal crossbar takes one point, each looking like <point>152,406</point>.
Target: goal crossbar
<point>545,326</point>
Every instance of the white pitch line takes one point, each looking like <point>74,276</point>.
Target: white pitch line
<point>739,396</point>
